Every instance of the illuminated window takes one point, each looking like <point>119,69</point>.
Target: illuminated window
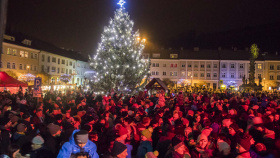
<point>26,54</point>
<point>9,51</point>
<point>21,53</point>
<point>173,56</point>
<point>260,66</point>
<point>183,73</point>
<point>14,52</point>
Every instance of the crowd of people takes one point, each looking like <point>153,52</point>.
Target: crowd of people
<point>164,125</point>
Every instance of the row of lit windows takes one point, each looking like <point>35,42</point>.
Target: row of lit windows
<point>57,60</point>
<point>56,70</point>
<point>183,73</point>
<point>184,65</point>
<point>23,54</point>
<point>20,66</point>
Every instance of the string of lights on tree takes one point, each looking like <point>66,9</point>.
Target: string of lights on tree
<point>118,62</point>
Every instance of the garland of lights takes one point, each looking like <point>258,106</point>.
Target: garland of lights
<point>118,62</point>
<point>65,78</point>
<point>26,77</point>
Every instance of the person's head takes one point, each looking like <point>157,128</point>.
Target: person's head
<point>175,115</point>
<point>178,144</point>
<point>39,113</point>
<point>243,144</point>
<point>54,130</point>
<point>37,143</point>
<point>122,132</point>
<point>81,138</point>
<point>119,150</point>
<point>202,141</point>
<point>13,150</point>
<point>21,128</point>
<point>227,123</point>
<point>197,118</point>
<point>147,134</point>
<point>276,117</point>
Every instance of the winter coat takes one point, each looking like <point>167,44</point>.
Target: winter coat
<point>71,147</point>
<point>41,153</point>
<point>145,146</point>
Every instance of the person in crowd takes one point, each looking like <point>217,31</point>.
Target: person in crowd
<point>38,149</point>
<point>12,152</point>
<point>79,144</point>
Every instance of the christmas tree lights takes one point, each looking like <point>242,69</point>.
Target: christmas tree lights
<point>118,61</point>
<point>65,78</point>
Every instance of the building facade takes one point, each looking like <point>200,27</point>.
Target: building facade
<point>22,55</point>
<point>213,68</point>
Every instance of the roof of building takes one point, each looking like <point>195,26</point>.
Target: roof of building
<point>44,46</point>
<point>209,54</point>
<point>156,83</point>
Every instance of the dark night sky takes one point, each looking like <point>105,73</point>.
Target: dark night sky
<point>78,24</point>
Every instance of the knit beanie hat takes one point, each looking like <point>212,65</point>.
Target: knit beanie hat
<point>38,140</point>
<point>201,137</point>
<point>81,137</point>
<point>118,148</point>
<point>21,127</point>
<point>122,131</point>
<point>224,147</point>
<point>245,143</point>
<point>147,132</point>
<point>177,141</point>
<point>152,154</point>
<point>53,128</point>
<point>257,120</point>
<point>235,127</point>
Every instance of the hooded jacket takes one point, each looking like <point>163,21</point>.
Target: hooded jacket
<point>71,147</point>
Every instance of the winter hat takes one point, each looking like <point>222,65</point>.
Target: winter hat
<point>260,147</point>
<point>257,120</point>
<point>21,127</point>
<point>38,140</point>
<point>14,119</point>
<point>224,147</point>
<point>207,131</point>
<point>245,143</point>
<point>122,131</point>
<point>118,148</point>
<point>152,154</point>
<point>147,132</point>
<point>53,128</point>
<point>81,137</point>
<point>235,127</point>
<point>201,137</point>
<point>177,141</point>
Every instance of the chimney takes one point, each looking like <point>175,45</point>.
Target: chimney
<point>196,49</point>
<point>219,48</point>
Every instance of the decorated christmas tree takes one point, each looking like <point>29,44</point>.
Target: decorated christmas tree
<point>118,62</point>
